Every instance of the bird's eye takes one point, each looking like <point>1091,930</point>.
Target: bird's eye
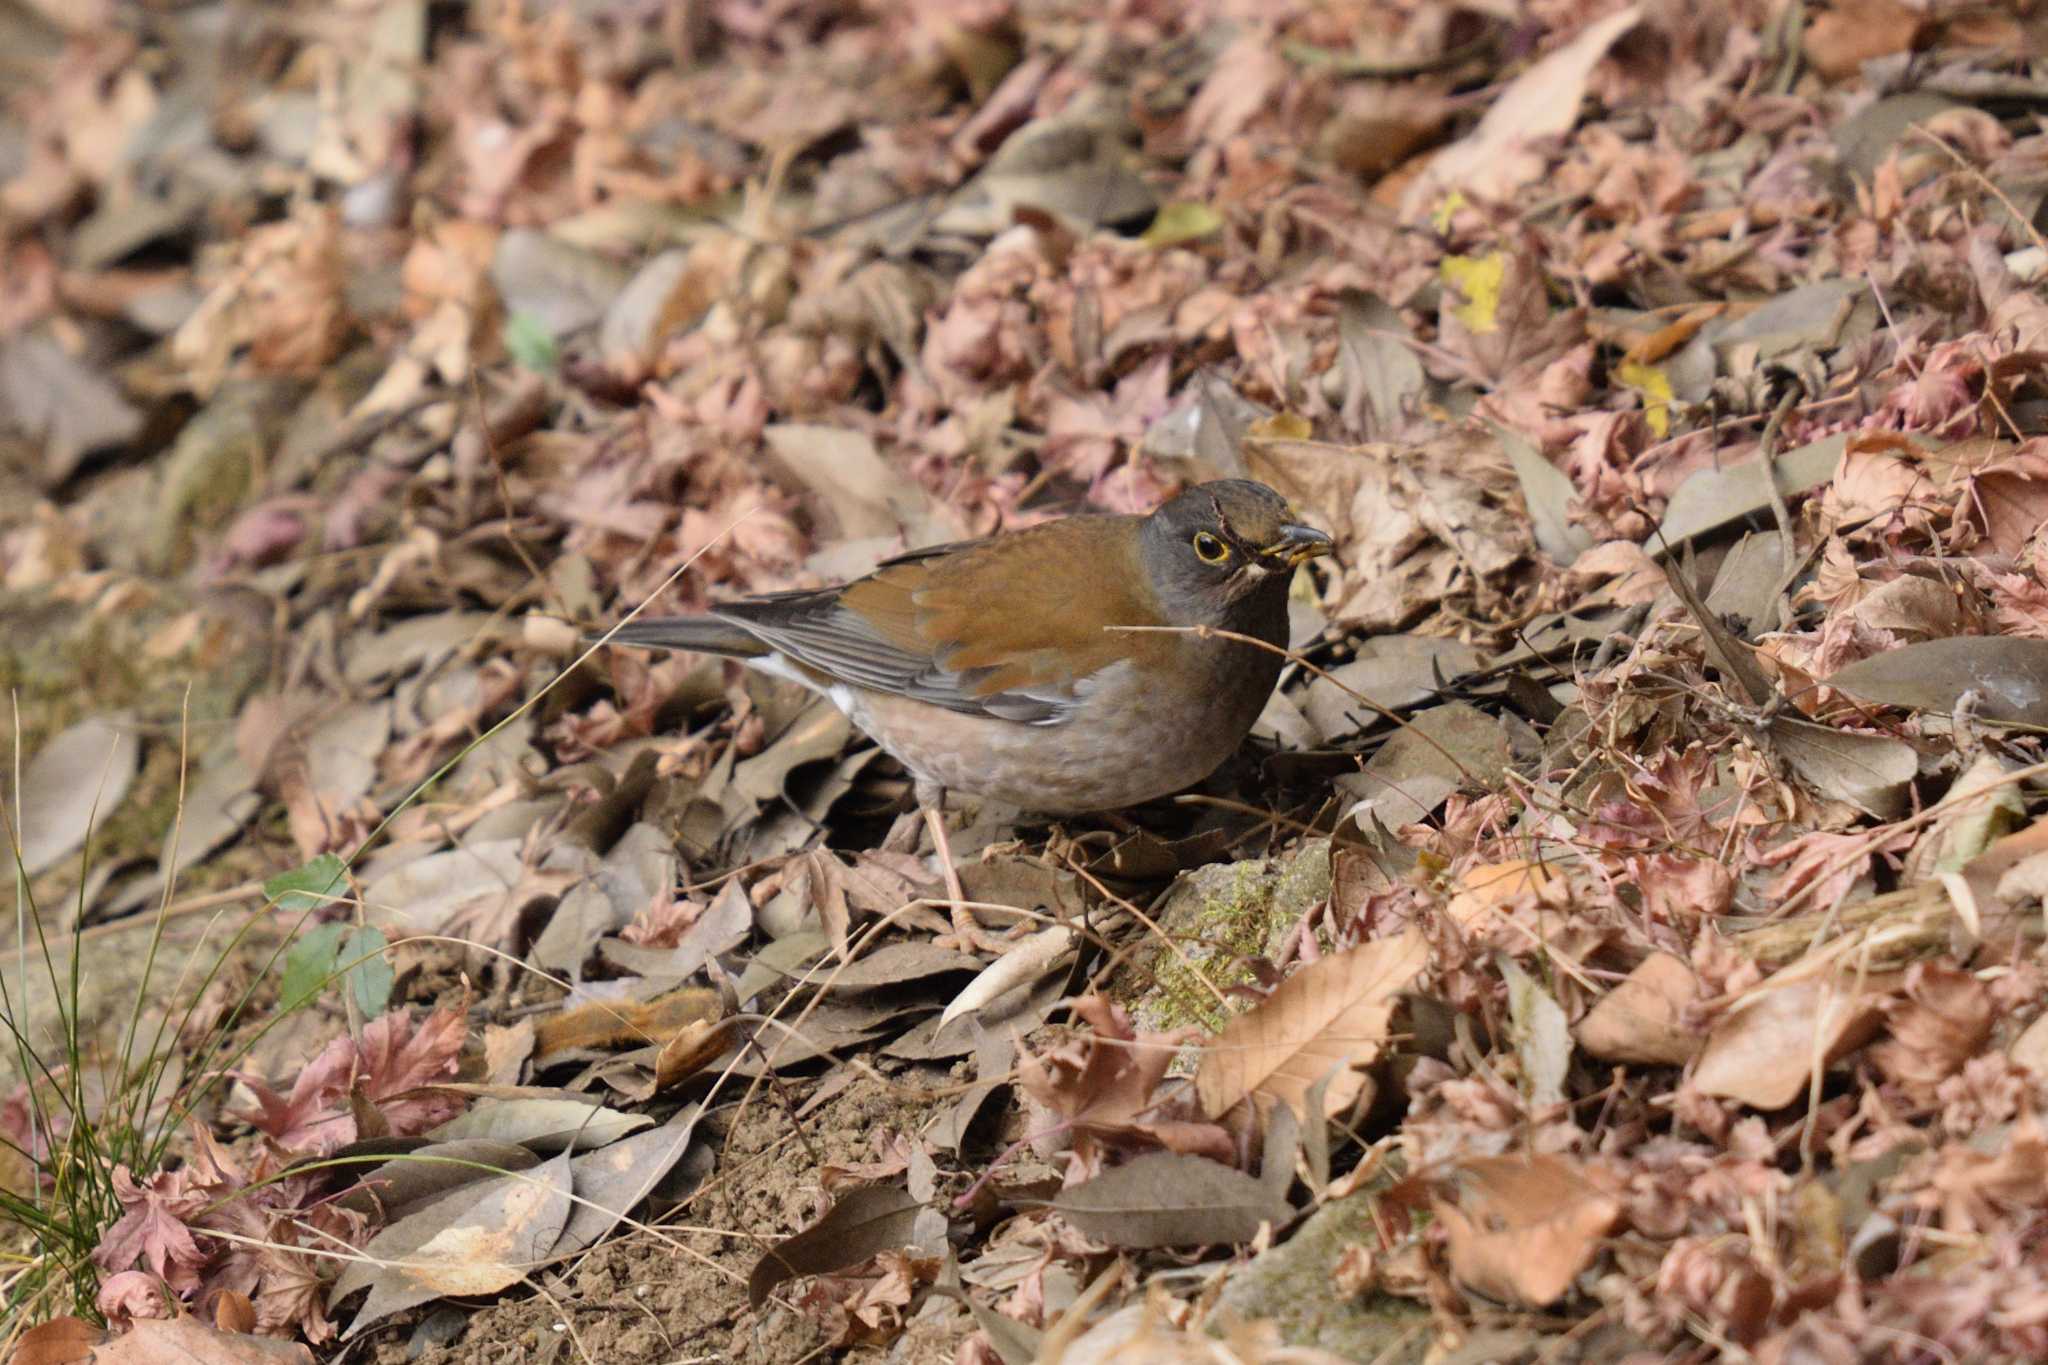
<point>1210,549</point>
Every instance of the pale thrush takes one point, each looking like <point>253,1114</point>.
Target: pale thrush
<point>997,667</point>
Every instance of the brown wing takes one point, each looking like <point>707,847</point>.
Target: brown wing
<point>1009,627</point>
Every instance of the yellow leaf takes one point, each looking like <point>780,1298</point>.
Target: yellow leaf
<point>1447,209</point>
<point>1281,426</point>
<point>1182,222</point>
<point>1478,278</point>
<point>1655,387</point>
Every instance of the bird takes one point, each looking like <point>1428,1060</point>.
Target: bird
<point>1030,667</point>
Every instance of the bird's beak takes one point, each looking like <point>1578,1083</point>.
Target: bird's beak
<point>1298,545</point>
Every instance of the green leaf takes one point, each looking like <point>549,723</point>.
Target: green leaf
<point>309,965</point>
<point>531,344</point>
<point>309,886</point>
<point>369,976</point>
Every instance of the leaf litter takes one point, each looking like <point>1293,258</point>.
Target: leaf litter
<point>1639,934</point>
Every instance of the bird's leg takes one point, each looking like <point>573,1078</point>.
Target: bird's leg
<point>967,934</point>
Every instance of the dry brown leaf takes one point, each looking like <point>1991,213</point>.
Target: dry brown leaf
<point>1100,1083</point>
<point>1522,1228</point>
<point>1975,1188</point>
<point>1327,1020</point>
<point>60,1341</point>
<point>74,783</point>
<point>1944,1020</point>
<point>1413,524</point>
<point>1164,1199</point>
<point>1541,102</point>
<point>1764,1051</point>
<point>158,1341</point>
<point>1848,33</point>
<point>1643,1019</point>
<point>864,1222</point>
<point>2030,1049</point>
<point>1489,889</point>
<point>617,1023</point>
<point>478,1242</point>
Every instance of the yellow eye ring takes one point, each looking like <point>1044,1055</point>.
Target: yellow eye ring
<point>1209,549</point>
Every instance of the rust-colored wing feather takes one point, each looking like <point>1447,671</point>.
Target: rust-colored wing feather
<point>1010,627</point>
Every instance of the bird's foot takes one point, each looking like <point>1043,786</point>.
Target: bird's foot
<point>969,936</point>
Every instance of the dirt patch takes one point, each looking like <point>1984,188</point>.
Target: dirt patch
<point>639,1299</point>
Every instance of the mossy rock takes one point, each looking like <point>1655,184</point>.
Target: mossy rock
<point>1291,1286</point>
<point>1220,917</point>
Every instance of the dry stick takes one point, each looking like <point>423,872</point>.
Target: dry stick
<point>1052,1347</point>
<point>1152,927</point>
<point>211,900</point>
<point>1265,817</point>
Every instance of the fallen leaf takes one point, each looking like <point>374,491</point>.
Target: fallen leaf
<point>1383,377</point>
<point>1331,1016</point>
<point>1870,772</point>
<point>1491,162</point>
<point>1550,494</point>
<point>559,286</point>
<point>1392,672</point>
<point>409,1182</point>
<point>856,490</point>
<point>1542,1039</point>
<point>1021,963</point>
<point>2004,678</point>
<point>1847,33</point>
<point>1643,1019</point>
<point>72,785</point>
<point>1442,750</point>
<point>895,964</point>
<point>611,1181</point>
<point>865,1221</point>
<point>423,896</point>
<point>1103,1081</point>
<point>544,1124</point>
<point>1712,498</point>
<point>174,1341</point>
<point>63,400</point>
<point>1763,1052</point>
<point>1522,1228</point>
<point>490,1237</point>
<point>2030,1049</point>
<point>1166,1199</point>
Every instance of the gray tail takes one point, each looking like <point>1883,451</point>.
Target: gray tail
<point>699,634</point>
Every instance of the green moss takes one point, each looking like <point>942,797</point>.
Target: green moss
<point>1225,927</point>
<point>1220,917</point>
